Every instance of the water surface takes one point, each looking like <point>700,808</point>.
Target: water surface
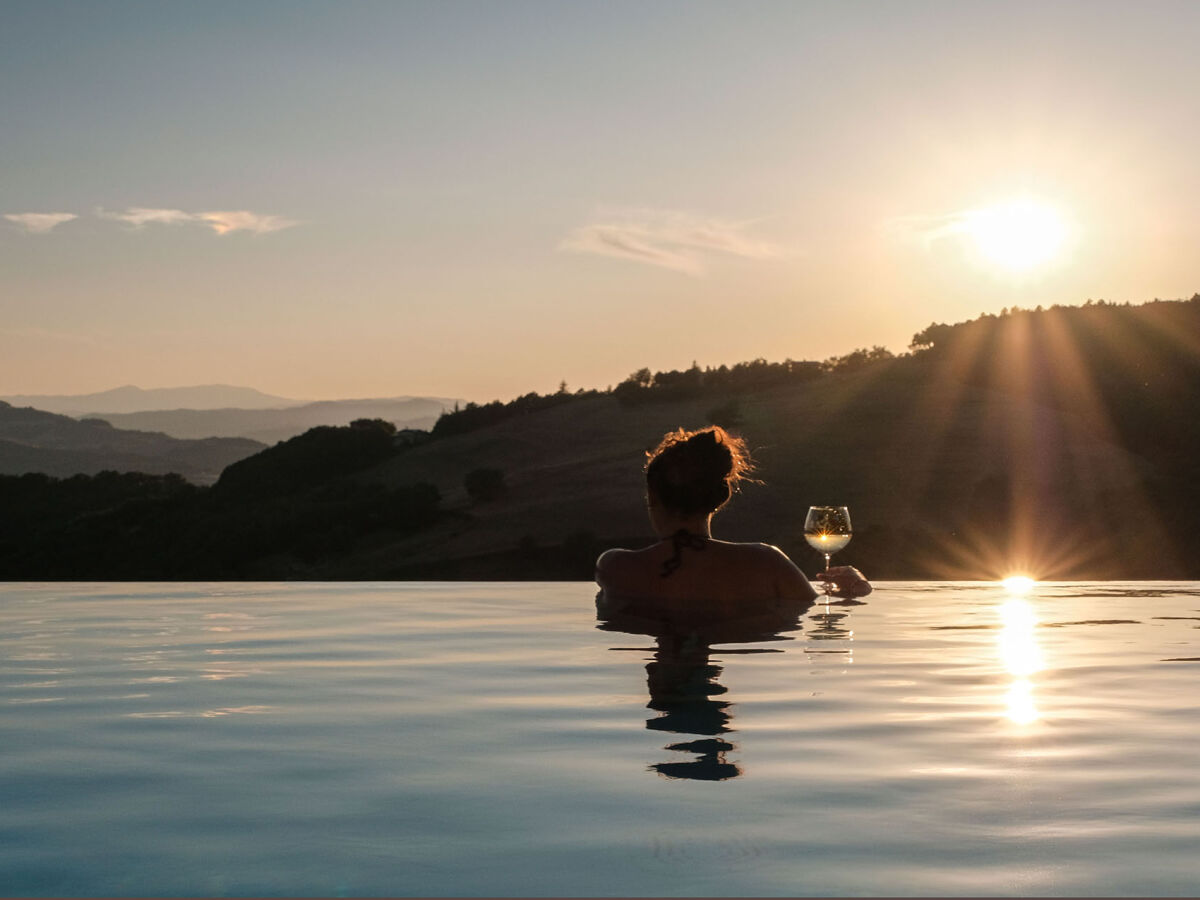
<point>490,739</point>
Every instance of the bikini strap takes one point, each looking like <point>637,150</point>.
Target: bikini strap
<point>680,539</point>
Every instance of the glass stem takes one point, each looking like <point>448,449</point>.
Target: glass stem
<point>828,589</point>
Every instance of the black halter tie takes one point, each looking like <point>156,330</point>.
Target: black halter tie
<point>680,539</point>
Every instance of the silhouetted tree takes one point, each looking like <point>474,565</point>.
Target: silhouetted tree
<point>934,335</point>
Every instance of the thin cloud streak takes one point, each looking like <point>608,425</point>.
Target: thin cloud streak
<point>244,220</point>
<point>630,242</point>
<point>222,222</point>
<point>671,240</point>
<point>928,228</point>
<point>39,223</point>
<point>139,216</point>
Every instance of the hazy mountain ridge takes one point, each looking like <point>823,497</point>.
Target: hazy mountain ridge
<point>272,425</point>
<point>130,399</point>
<point>33,440</point>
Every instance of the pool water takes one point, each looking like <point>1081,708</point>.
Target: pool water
<point>490,739</point>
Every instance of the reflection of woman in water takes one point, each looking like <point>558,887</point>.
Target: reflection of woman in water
<point>690,591</point>
<point>683,688</point>
<point>682,681</point>
<point>689,477</point>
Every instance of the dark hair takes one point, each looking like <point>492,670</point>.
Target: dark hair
<point>692,472</point>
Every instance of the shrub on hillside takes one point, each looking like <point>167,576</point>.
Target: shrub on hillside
<point>484,484</point>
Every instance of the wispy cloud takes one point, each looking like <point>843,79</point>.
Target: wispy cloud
<point>672,240</point>
<point>138,216</point>
<point>627,241</point>
<point>39,223</point>
<point>929,228</point>
<point>244,220</point>
<point>222,222</point>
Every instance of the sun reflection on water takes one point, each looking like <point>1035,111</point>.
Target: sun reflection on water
<point>1021,708</point>
<point>1021,656</point>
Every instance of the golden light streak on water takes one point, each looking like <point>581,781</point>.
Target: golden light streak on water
<point>1021,656</point>
<point>1021,709</point>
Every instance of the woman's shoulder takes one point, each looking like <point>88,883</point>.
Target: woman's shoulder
<point>616,559</point>
<point>767,564</point>
<point>756,551</point>
<point>620,568</point>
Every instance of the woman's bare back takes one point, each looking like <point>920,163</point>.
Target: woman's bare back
<point>695,569</point>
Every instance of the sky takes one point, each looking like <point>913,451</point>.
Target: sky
<point>480,199</point>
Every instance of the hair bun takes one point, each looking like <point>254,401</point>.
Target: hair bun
<point>694,472</point>
<point>711,453</point>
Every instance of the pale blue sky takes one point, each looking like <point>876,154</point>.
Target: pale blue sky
<point>482,199</point>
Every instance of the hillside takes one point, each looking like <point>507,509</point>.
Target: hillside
<point>32,440</point>
<point>916,480</point>
<point>1059,442</point>
<point>270,516</point>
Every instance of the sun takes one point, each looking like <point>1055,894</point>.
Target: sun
<point>1019,584</point>
<point>1016,235</point>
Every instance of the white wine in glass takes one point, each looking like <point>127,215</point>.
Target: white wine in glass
<point>827,530</point>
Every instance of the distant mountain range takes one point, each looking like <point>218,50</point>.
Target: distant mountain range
<point>33,440</point>
<point>130,399</point>
<point>273,425</point>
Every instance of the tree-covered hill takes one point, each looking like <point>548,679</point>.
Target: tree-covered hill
<point>1058,441</point>
<point>273,516</point>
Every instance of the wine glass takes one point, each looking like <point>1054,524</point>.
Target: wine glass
<point>827,530</point>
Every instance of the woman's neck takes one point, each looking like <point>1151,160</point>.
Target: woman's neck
<point>666,525</point>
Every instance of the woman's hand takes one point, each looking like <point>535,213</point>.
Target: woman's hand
<point>847,581</point>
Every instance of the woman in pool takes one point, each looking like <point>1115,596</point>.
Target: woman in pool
<point>689,477</point>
